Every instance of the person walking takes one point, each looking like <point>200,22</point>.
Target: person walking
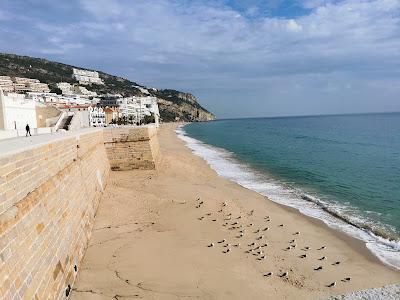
<point>28,130</point>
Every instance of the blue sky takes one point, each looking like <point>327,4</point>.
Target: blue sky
<point>240,58</point>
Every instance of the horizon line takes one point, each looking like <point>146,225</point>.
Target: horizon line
<point>310,116</point>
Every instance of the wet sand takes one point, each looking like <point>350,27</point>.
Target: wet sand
<point>153,239</point>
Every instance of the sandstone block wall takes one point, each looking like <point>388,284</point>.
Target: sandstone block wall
<point>131,148</point>
<point>48,199</point>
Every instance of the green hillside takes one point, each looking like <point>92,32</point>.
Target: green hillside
<point>173,104</point>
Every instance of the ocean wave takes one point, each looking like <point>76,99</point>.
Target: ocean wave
<point>382,243</point>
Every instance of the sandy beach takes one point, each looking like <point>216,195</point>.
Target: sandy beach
<point>184,232</point>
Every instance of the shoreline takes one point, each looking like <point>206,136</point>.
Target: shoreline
<point>150,240</point>
<point>224,163</point>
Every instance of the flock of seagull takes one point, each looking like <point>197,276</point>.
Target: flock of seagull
<point>259,245</point>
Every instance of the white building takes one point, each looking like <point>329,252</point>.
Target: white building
<point>81,90</point>
<point>134,109</point>
<point>97,117</point>
<point>16,111</point>
<point>23,85</point>
<point>65,87</point>
<point>6,84</point>
<point>86,77</point>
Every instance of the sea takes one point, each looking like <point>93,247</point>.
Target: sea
<point>341,169</point>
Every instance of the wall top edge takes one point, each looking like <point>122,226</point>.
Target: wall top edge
<point>17,145</point>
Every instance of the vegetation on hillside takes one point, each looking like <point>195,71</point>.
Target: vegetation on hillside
<point>176,105</point>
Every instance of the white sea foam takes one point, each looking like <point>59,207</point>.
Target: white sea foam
<point>224,163</point>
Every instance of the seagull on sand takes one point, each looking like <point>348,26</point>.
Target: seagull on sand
<point>347,279</point>
<point>332,284</point>
<point>281,225</point>
<point>260,237</point>
<point>303,256</point>
<point>322,248</point>
<point>257,231</point>
<point>336,263</point>
<point>211,245</point>
<point>285,274</point>
<point>264,245</point>
<point>252,244</point>
<point>268,274</point>
<point>307,248</point>
<point>297,233</point>
<point>318,269</point>
<point>322,258</point>
<point>223,241</point>
<point>266,228</point>
<point>227,250</point>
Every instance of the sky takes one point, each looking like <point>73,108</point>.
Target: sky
<point>240,58</point>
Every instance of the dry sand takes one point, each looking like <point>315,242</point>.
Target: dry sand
<point>148,241</point>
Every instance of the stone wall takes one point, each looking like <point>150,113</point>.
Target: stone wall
<point>49,195</point>
<point>131,148</point>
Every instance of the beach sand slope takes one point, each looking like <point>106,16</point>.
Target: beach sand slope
<point>184,232</point>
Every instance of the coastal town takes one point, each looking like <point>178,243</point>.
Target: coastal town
<point>71,106</point>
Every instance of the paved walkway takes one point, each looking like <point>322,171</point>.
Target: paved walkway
<point>14,145</point>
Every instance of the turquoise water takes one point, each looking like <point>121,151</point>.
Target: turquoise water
<point>347,165</point>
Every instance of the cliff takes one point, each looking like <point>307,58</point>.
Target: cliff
<point>174,105</point>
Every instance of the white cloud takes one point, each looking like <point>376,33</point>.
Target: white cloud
<point>207,43</point>
<point>292,25</point>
